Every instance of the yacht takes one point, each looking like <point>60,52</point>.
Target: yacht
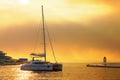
<point>38,65</point>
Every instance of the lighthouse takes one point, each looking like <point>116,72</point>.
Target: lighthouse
<point>105,61</point>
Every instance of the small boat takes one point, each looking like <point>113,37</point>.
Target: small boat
<point>38,65</point>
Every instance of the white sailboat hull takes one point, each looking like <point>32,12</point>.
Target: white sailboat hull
<point>42,67</point>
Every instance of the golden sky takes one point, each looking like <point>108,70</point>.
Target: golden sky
<point>81,30</point>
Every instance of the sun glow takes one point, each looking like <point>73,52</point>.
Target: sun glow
<point>83,11</point>
<point>24,2</point>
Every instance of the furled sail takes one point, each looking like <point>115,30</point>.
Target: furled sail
<point>38,55</point>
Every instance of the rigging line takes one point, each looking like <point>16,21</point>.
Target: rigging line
<point>50,42</point>
<point>36,37</point>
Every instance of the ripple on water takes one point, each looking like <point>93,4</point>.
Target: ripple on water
<point>70,72</point>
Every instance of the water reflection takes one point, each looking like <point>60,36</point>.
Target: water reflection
<point>70,72</point>
<point>23,75</point>
<point>45,75</point>
<point>36,75</point>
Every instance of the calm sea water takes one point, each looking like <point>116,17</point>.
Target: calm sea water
<point>71,71</point>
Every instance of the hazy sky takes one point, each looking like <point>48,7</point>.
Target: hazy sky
<point>81,30</point>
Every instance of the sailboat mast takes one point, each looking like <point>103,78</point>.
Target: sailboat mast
<point>44,38</point>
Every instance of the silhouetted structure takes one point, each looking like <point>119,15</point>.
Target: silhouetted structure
<point>3,56</point>
<point>5,60</point>
<point>105,61</point>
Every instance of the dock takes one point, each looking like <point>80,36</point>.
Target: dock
<point>103,66</point>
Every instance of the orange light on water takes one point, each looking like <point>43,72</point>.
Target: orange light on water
<point>23,75</point>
